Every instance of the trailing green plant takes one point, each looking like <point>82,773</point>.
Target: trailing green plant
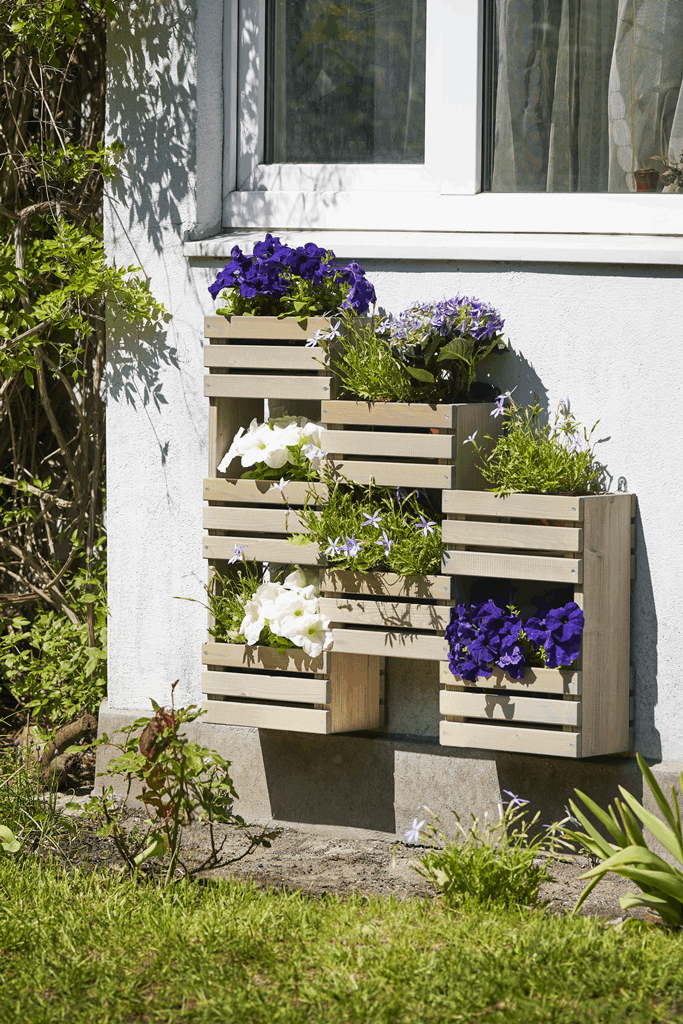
<point>661,883</point>
<point>533,457</point>
<point>49,662</point>
<point>182,782</point>
<point>54,283</point>
<point>366,366</point>
<point>373,528</point>
<point>503,862</point>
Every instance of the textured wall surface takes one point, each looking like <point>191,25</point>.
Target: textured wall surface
<point>609,337</point>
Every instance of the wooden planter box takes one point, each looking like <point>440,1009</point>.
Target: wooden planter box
<point>407,444</point>
<point>258,687</point>
<point>585,542</point>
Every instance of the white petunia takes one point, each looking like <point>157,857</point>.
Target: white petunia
<point>315,635</point>
<point>253,622</point>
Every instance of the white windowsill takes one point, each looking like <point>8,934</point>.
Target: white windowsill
<point>657,250</point>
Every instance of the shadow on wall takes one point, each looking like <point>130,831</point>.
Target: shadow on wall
<point>329,780</point>
<point>644,651</point>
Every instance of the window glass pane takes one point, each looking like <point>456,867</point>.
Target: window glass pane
<point>346,81</point>
<point>584,96</point>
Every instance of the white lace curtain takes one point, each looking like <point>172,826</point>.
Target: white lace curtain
<point>586,93</point>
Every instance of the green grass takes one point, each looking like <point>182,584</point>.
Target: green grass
<point>100,948</point>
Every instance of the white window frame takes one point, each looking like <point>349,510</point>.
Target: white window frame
<point>442,196</point>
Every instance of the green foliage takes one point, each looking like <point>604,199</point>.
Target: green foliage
<point>399,542</point>
<point>49,25</point>
<point>491,863</point>
<point>628,855</point>
<point>182,782</point>
<point>48,663</point>
<point>8,841</point>
<point>532,457</point>
<point>368,369</point>
<point>28,810</point>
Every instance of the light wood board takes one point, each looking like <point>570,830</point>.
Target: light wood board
<point>255,520</point>
<point>512,535</point>
<point>264,658</point>
<point>261,549</point>
<point>263,327</point>
<point>516,567</point>
<point>389,414</point>
<point>267,716</point>
<point>387,443</point>
<point>258,685</point>
<point>506,708</point>
<point>263,357</point>
<point>515,506</point>
<point>246,385</point>
<point>396,474</point>
<point>510,738</point>
<point>390,614</point>
<point>259,492</point>
<point>387,584</point>
<point>389,644</point>
<point>536,680</point>
<point>355,691</point>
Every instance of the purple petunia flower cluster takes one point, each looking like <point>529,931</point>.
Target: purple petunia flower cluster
<point>486,636</point>
<point>273,269</point>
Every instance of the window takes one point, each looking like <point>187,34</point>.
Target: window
<point>449,143</point>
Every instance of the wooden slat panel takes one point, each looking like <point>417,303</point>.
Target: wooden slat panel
<point>265,520</point>
<point>266,716</point>
<point>473,417</point>
<point>389,414</point>
<point>263,357</point>
<point>396,474</point>
<point>517,506</point>
<point>261,549</point>
<point>512,535</point>
<point>258,685</point>
<point>605,642</point>
<point>499,706</point>
<point>510,738</point>
<point>536,680</point>
<point>515,567</point>
<point>387,584</point>
<point>264,658</point>
<point>390,614</point>
<point>405,446</point>
<point>389,644</point>
<point>239,385</point>
<point>259,492</point>
<point>263,327</point>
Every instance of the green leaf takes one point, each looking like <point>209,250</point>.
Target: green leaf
<point>419,374</point>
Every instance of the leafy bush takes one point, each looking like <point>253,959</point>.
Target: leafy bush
<point>533,457</point>
<point>629,856</point>
<point>490,863</point>
<point>49,663</point>
<point>181,782</point>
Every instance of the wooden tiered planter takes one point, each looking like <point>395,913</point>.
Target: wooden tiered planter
<point>585,542</point>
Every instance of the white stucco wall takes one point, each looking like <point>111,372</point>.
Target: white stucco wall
<point>610,337</point>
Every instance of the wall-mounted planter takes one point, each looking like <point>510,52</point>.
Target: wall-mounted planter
<point>585,542</point>
<point>406,444</point>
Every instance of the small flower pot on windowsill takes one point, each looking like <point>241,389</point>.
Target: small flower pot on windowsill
<point>580,712</point>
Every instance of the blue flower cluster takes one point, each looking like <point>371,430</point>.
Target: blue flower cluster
<point>458,317</point>
<point>274,270</point>
<point>486,636</point>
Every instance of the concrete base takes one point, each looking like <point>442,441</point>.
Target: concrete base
<point>355,785</point>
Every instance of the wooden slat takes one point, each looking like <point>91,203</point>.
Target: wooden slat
<point>516,506</point>
<point>389,414</point>
<point>390,614</point>
<point>605,642</point>
<point>262,549</point>
<point>405,446</point>
<point>512,535</point>
<point>242,385</point>
<point>259,492</point>
<point>355,690</point>
<point>263,658</point>
<point>510,738</point>
<point>263,327</point>
<point>536,680</point>
<point>264,520</point>
<point>263,357</point>
<point>516,567</point>
<point>258,685</point>
<point>267,716</point>
<point>389,644</point>
<point>387,584</point>
<point>506,708</point>
<point>396,474</point>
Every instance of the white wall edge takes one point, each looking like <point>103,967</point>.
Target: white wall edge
<point>658,250</point>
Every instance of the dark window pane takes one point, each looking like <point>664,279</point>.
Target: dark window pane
<point>584,95</point>
<point>345,81</point>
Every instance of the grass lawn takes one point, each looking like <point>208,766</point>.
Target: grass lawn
<point>97,948</point>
